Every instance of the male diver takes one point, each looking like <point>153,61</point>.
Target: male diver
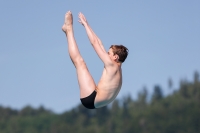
<point>91,95</point>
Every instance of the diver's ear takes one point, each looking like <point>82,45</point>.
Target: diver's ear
<point>116,57</point>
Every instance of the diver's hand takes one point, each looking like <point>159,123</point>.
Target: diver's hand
<point>82,19</point>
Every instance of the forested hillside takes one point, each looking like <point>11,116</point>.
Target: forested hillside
<point>178,112</point>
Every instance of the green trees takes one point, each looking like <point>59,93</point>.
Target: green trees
<point>175,113</point>
<point>157,95</point>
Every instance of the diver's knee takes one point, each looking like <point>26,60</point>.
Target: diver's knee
<point>79,62</point>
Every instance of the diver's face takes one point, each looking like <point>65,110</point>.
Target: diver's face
<point>112,56</point>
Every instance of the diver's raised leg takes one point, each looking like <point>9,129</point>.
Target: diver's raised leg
<point>85,80</point>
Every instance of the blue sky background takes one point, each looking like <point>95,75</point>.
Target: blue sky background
<point>163,38</point>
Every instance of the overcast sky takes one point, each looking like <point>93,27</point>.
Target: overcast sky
<point>163,38</point>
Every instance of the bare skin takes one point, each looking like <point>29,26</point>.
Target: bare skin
<point>111,80</point>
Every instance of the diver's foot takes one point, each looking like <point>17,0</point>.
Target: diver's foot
<point>67,26</point>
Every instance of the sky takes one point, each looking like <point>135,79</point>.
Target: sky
<point>163,38</point>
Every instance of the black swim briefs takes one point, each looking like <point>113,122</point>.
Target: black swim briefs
<point>88,101</point>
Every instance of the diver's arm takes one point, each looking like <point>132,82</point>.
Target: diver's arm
<point>95,41</point>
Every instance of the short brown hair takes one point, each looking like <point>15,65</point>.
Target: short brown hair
<point>121,51</point>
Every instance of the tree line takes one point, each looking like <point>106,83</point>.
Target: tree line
<point>178,112</point>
